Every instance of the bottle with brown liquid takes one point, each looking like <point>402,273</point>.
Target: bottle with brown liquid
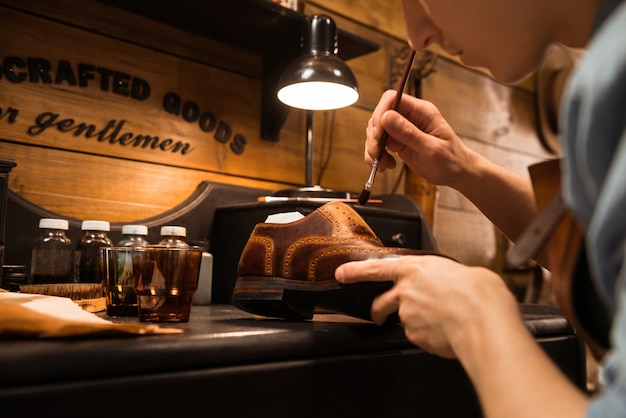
<point>52,253</point>
<point>87,254</point>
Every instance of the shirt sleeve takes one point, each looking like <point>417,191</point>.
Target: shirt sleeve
<point>594,132</point>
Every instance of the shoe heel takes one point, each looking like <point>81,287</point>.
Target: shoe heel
<point>270,299</point>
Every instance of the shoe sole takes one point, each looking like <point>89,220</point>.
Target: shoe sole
<point>296,300</point>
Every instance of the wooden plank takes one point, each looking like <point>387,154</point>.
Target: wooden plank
<point>478,107</point>
<point>468,237</point>
<point>385,16</point>
<point>94,187</point>
<point>96,17</point>
<point>344,132</point>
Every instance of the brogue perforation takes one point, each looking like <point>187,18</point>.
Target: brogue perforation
<point>288,270</point>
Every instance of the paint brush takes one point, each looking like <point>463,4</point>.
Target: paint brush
<point>367,189</point>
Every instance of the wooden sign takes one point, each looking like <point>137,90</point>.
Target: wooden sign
<point>68,89</point>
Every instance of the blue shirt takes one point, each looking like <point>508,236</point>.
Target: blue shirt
<point>594,184</point>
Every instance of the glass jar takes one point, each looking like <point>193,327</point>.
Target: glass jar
<point>51,259</point>
<point>87,254</point>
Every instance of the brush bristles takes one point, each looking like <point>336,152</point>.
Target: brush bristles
<point>74,291</point>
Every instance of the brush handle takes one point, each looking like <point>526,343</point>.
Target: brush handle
<point>383,139</point>
<point>398,98</point>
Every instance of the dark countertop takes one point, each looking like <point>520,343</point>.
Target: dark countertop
<point>228,363</point>
<point>216,336</point>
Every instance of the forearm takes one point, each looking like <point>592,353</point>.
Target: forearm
<point>506,198</point>
<point>513,376</point>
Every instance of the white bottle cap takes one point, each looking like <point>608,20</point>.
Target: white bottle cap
<point>96,226</point>
<point>49,223</point>
<point>134,230</point>
<point>177,231</point>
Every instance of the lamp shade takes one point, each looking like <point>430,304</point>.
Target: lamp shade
<point>319,79</point>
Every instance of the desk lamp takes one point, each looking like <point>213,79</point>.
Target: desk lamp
<point>318,80</point>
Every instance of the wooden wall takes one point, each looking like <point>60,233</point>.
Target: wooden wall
<point>496,120</point>
<point>85,179</point>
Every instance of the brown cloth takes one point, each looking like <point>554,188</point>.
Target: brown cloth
<point>40,316</point>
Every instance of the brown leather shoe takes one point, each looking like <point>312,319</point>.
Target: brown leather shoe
<point>287,270</point>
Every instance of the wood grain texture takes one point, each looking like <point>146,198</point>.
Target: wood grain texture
<point>94,187</point>
<point>83,178</point>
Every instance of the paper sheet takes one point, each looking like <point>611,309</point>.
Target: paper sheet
<point>40,316</point>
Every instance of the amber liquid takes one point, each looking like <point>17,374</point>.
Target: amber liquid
<point>117,282</point>
<point>51,261</point>
<point>121,301</point>
<point>167,279</point>
<point>165,305</point>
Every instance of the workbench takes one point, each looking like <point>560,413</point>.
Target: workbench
<point>228,363</point>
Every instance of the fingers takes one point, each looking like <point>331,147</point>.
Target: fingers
<point>374,133</point>
<point>416,125</point>
<point>384,305</point>
<point>375,270</point>
<point>403,132</point>
<point>369,271</point>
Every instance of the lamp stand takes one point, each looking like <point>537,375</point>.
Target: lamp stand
<point>311,190</point>
<point>309,149</point>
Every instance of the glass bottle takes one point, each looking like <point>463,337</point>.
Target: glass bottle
<point>51,259</point>
<point>173,236</point>
<point>87,255</point>
<point>134,236</point>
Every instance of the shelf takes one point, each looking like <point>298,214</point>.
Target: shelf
<point>258,26</point>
